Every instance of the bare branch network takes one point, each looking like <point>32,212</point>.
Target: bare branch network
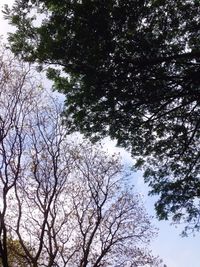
<point>63,203</point>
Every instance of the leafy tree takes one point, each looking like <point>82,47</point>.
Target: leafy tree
<point>129,69</point>
<point>16,255</point>
<point>62,203</point>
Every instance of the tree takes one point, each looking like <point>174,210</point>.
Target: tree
<point>14,109</point>
<point>16,255</point>
<point>130,70</point>
<point>63,203</point>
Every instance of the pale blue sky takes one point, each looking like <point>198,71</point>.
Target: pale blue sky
<point>173,249</point>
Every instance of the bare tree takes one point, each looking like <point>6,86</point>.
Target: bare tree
<point>16,96</point>
<point>66,203</point>
<point>112,228</point>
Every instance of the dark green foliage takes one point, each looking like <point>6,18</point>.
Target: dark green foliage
<point>16,254</point>
<point>130,70</point>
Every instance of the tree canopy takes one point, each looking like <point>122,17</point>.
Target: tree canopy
<point>130,69</point>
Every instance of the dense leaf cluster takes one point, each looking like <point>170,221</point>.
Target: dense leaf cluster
<point>131,71</point>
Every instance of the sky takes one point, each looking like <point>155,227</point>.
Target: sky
<point>169,245</point>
